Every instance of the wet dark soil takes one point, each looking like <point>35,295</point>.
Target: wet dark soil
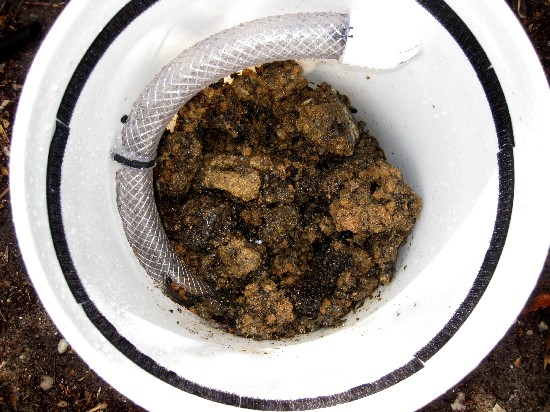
<point>512,377</point>
<point>281,202</point>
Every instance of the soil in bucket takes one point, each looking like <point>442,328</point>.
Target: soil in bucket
<point>273,194</point>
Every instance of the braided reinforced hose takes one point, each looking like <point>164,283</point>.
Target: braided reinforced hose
<point>295,36</point>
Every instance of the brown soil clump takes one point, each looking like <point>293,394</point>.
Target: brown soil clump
<point>273,194</point>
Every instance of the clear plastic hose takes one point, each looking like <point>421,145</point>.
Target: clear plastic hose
<point>296,36</point>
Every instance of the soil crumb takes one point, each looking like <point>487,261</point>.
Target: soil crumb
<point>273,194</point>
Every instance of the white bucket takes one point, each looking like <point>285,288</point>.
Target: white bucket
<point>466,121</point>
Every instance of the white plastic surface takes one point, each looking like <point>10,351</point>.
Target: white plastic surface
<point>382,35</point>
<point>431,118</point>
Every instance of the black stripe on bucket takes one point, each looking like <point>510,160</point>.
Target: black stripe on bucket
<point>134,164</point>
<point>503,125</point>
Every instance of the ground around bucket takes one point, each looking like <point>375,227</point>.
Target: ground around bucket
<point>40,372</point>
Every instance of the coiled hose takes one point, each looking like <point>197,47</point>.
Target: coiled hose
<point>296,36</point>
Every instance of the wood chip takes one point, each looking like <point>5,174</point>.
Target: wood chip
<point>5,255</point>
<point>4,193</point>
<point>4,135</point>
<point>172,125</point>
<point>99,407</point>
<point>521,9</point>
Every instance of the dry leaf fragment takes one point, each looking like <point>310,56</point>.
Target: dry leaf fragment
<point>3,20</point>
<point>547,353</point>
<point>542,301</point>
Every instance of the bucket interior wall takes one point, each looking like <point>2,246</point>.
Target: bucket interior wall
<point>433,121</point>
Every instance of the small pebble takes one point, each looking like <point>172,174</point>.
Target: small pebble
<point>457,405</point>
<point>62,404</point>
<point>543,326</point>
<point>498,408</point>
<point>47,383</point>
<point>62,346</point>
<point>529,332</point>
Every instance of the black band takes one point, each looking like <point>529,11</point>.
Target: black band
<point>135,164</point>
<point>505,158</point>
<point>503,125</point>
